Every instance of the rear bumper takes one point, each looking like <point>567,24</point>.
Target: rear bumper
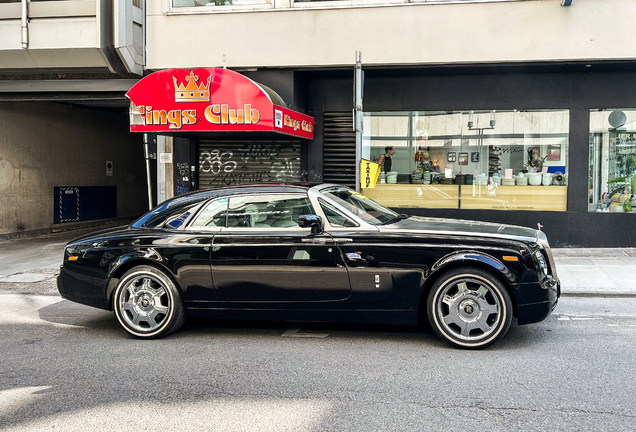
<point>72,288</point>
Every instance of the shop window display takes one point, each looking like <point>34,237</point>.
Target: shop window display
<point>491,160</point>
<point>612,179</point>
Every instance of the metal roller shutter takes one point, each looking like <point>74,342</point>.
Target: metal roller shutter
<point>227,163</point>
<point>339,149</point>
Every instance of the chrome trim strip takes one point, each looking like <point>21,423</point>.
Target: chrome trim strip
<point>463,247</point>
<point>206,230</point>
<point>316,240</point>
<point>258,244</point>
<point>295,230</point>
<point>387,230</point>
<point>357,230</point>
<point>550,257</point>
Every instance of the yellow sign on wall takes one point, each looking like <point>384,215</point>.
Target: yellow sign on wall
<point>369,173</point>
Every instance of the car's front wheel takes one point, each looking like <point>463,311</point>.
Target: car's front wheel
<point>147,303</point>
<point>469,308</point>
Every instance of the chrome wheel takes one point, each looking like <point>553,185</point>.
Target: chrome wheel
<point>469,308</point>
<point>144,304</point>
<point>147,303</point>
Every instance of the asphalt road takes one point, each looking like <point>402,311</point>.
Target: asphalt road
<point>69,367</point>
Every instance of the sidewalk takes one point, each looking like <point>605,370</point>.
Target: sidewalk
<point>596,272</point>
<point>30,265</point>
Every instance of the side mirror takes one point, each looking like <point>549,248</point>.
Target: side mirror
<point>311,221</point>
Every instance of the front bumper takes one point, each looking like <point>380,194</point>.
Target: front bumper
<point>546,297</point>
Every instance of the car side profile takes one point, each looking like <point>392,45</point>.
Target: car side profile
<point>311,253</point>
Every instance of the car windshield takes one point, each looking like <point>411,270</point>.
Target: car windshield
<point>361,206</point>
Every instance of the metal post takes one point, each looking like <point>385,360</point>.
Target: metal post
<point>598,168</point>
<point>148,179</point>
<point>25,25</point>
<point>359,84</point>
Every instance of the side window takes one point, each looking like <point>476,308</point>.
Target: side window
<point>213,215</point>
<point>335,218</point>
<point>173,218</point>
<point>176,221</point>
<point>268,211</point>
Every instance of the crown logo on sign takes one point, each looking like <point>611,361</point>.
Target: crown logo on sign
<point>192,92</point>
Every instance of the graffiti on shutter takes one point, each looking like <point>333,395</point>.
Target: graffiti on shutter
<point>236,163</point>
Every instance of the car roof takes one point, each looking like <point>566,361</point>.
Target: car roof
<point>205,194</point>
<point>254,188</point>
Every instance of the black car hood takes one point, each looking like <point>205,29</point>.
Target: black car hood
<point>460,227</point>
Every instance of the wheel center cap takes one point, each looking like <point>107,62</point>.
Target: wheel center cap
<point>145,302</point>
<point>469,308</point>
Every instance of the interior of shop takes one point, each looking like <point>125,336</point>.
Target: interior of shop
<point>470,159</point>
<point>612,179</point>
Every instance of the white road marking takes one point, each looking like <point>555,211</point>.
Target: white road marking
<point>26,277</point>
<point>294,332</point>
<point>577,318</point>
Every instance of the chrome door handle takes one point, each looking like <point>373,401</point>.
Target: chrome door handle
<point>315,240</point>
<point>343,240</point>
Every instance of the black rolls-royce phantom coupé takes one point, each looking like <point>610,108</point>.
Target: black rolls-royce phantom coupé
<point>311,253</point>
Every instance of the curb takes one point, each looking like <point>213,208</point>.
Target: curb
<point>597,294</point>
<point>598,253</point>
<point>27,292</point>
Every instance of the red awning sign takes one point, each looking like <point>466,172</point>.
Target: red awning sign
<point>210,100</point>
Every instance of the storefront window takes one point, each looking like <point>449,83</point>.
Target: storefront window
<point>612,160</point>
<point>501,160</point>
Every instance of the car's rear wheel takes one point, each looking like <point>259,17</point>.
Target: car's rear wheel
<point>147,303</point>
<point>469,308</point>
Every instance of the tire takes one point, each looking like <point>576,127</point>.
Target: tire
<point>147,303</point>
<point>469,308</point>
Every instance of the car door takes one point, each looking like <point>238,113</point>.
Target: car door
<point>262,255</point>
<point>370,278</point>
<point>188,250</point>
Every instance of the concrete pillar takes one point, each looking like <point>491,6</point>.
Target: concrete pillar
<point>161,170</point>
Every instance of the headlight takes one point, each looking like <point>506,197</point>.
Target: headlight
<point>543,265</point>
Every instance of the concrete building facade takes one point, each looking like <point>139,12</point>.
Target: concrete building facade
<point>64,69</point>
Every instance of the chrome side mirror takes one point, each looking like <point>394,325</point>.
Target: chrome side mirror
<point>311,221</point>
